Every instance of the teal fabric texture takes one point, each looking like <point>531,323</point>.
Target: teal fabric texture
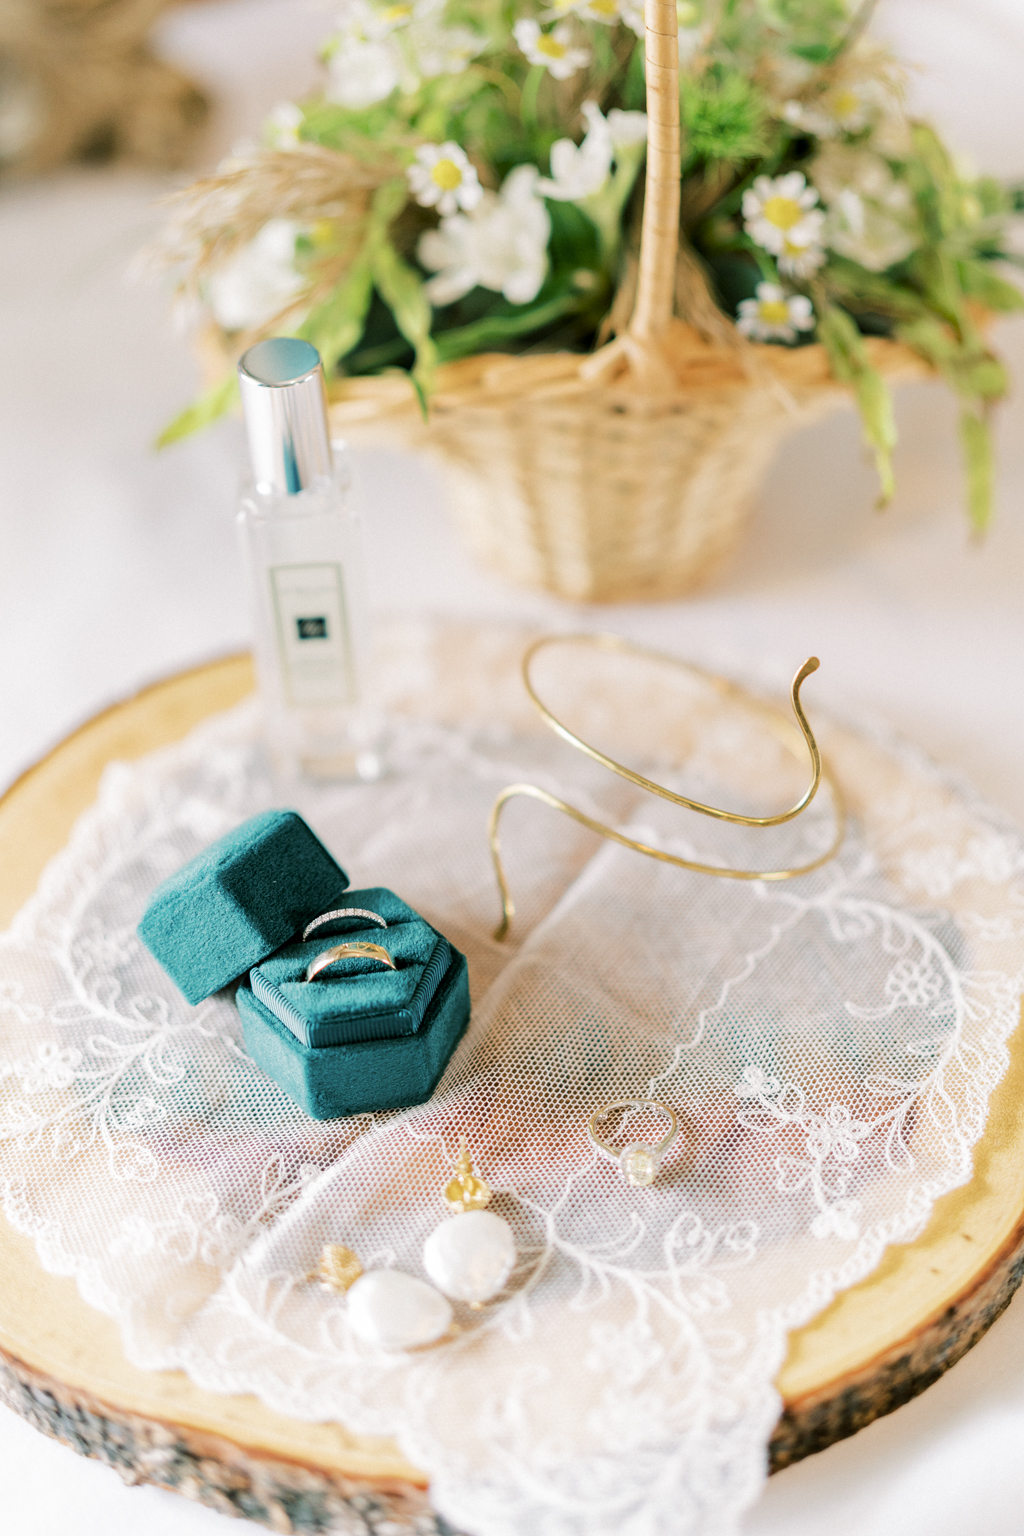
<point>239,900</point>
<point>356,999</point>
<point>367,1075</point>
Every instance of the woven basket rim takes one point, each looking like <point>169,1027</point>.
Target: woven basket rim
<point>796,377</point>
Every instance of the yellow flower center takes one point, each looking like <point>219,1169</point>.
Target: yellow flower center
<point>773,311</point>
<point>323,233</point>
<point>783,212</point>
<point>845,103</point>
<point>394,15</point>
<point>550,46</point>
<point>604,7</point>
<point>446,174</point>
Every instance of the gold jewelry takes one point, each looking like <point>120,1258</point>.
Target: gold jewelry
<point>329,917</point>
<point>387,1308</point>
<point>355,951</point>
<point>467,1191</point>
<point>338,1268</point>
<point>472,1253</point>
<point>782,728</point>
<point>638,1161</point>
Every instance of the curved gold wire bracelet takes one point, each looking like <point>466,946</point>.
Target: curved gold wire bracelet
<point>782,728</point>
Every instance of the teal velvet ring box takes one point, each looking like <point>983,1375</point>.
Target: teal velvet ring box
<point>359,1037</point>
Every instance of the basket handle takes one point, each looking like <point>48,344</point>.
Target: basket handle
<point>659,237</point>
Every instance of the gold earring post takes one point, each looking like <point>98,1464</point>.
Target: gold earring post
<point>467,1191</point>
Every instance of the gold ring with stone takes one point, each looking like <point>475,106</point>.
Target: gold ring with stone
<point>639,1162</point>
<point>355,951</point>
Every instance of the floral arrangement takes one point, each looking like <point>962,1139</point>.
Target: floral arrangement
<point>469,181</point>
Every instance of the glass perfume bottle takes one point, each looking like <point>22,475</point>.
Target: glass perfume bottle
<point>302,547</point>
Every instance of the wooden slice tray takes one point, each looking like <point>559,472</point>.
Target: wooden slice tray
<point>61,1365</point>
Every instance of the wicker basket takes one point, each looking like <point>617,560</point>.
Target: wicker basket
<point>627,474</point>
<point>604,493</point>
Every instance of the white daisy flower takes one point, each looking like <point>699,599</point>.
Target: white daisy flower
<point>364,63</point>
<point>808,118</point>
<point>436,49</point>
<point>258,281</point>
<point>627,128</point>
<point>441,177</point>
<point>501,245</point>
<point>281,129</point>
<point>580,170</point>
<point>772,315</point>
<point>846,108</point>
<point>606,11</point>
<point>390,17</point>
<point>632,12</point>
<point>379,49</point>
<point>361,73</point>
<point>871,217</point>
<point>553,50</point>
<point>800,260</point>
<point>359,21</point>
<point>779,211</point>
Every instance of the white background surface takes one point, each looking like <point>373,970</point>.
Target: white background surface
<point>118,566</point>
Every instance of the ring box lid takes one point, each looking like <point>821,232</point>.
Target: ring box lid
<point>239,900</point>
<point>358,998</point>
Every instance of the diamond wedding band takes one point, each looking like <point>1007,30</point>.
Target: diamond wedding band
<point>329,917</point>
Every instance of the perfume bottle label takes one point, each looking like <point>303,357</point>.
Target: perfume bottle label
<point>313,634</point>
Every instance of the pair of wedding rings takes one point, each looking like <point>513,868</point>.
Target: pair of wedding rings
<point>359,949</point>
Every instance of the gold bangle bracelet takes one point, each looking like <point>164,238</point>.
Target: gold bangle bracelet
<point>792,736</point>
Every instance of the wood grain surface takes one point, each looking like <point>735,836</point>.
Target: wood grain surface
<point>61,1365</point>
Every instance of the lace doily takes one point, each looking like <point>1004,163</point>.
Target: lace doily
<point>829,1045</point>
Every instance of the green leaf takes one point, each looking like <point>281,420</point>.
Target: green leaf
<point>979,282</point>
<point>336,325</point>
<point>574,239</point>
<point>935,273</point>
<point>528,100</point>
<point>859,289</point>
<point>388,201</point>
<point>968,366</point>
<point>932,175</point>
<point>814,53</point>
<point>849,359</point>
<point>213,403</point>
<point>976,437</point>
<point>402,290</point>
<point>492,330</point>
<point>875,402</point>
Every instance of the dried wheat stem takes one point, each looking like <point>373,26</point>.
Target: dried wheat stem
<point>660,237</point>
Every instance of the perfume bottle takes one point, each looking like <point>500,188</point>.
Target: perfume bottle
<point>303,553</point>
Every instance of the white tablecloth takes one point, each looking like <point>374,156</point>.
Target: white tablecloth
<point>118,566</point>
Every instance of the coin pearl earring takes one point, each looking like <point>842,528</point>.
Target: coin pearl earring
<point>386,1307</point>
<point>392,1310</point>
<point>471,1256</point>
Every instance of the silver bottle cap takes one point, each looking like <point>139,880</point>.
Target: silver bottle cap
<point>284,402</point>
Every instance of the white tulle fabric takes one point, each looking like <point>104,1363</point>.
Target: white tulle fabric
<point>829,1045</point>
